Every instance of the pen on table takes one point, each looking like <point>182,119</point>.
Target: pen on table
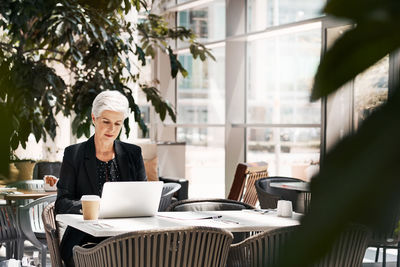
<point>214,217</point>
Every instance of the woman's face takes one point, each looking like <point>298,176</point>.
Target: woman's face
<point>108,125</point>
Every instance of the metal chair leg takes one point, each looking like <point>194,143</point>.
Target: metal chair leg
<point>398,255</point>
<point>44,254</point>
<point>377,254</point>
<point>9,249</point>
<point>384,257</point>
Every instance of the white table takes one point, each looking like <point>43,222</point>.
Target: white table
<point>234,221</point>
<point>297,186</point>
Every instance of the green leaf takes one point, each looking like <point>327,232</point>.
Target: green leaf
<point>358,176</point>
<point>360,10</point>
<point>353,53</point>
<point>141,55</point>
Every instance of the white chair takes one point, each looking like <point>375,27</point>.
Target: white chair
<point>31,224</point>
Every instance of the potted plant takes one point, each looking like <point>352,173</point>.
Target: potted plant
<point>57,55</point>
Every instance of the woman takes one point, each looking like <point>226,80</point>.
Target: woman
<point>88,165</point>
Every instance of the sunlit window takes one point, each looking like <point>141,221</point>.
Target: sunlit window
<point>280,76</point>
<point>264,13</point>
<point>207,22</point>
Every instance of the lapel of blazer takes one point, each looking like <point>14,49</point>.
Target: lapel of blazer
<point>90,164</point>
<point>122,160</point>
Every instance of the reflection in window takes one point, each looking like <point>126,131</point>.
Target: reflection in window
<point>201,95</point>
<point>285,149</point>
<point>280,76</point>
<point>207,22</point>
<point>264,13</point>
<point>370,90</point>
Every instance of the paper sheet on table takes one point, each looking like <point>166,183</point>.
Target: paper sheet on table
<point>189,215</point>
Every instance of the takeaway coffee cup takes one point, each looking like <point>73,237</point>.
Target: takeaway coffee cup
<point>90,207</point>
<point>284,208</point>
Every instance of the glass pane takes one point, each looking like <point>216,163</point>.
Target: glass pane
<point>207,22</point>
<point>205,161</point>
<point>201,95</point>
<point>264,13</point>
<point>280,74</point>
<point>370,90</point>
<point>288,151</point>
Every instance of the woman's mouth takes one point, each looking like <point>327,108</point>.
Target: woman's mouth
<point>109,135</point>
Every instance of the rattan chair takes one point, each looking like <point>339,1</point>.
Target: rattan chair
<point>246,174</point>
<point>191,247</point>
<point>10,233</point>
<point>53,240</point>
<point>168,192</point>
<point>269,196</point>
<point>264,249</point>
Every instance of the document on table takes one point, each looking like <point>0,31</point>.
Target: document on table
<point>190,215</point>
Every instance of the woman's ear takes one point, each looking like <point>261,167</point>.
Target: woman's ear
<point>93,119</point>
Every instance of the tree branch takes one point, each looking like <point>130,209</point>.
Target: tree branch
<point>54,59</point>
<point>44,49</point>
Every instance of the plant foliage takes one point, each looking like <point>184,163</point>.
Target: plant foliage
<point>57,55</point>
<point>359,177</point>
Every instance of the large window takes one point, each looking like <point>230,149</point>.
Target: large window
<point>279,80</point>
<point>252,103</point>
<point>264,13</point>
<point>207,21</point>
<point>201,101</point>
<point>201,95</point>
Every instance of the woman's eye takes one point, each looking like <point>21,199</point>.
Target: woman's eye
<point>106,122</point>
<point>118,124</point>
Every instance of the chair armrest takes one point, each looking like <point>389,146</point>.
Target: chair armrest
<point>182,193</point>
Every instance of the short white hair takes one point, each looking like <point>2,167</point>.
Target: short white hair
<point>110,100</point>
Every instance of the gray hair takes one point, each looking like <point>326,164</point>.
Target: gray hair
<point>110,100</point>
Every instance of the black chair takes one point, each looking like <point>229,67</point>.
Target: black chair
<point>212,205</point>
<point>208,204</point>
<point>183,192</point>
<point>10,233</point>
<point>268,196</point>
<point>43,168</point>
<point>168,192</point>
<point>386,236</point>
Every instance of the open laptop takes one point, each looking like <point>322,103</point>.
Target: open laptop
<point>130,199</point>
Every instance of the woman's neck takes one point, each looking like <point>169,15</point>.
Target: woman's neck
<point>104,151</point>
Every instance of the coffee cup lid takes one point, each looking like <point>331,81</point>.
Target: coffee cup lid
<point>90,198</point>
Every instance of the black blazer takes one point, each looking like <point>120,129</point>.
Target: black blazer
<point>78,177</point>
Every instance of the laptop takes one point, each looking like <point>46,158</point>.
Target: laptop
<point>130,199</point>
